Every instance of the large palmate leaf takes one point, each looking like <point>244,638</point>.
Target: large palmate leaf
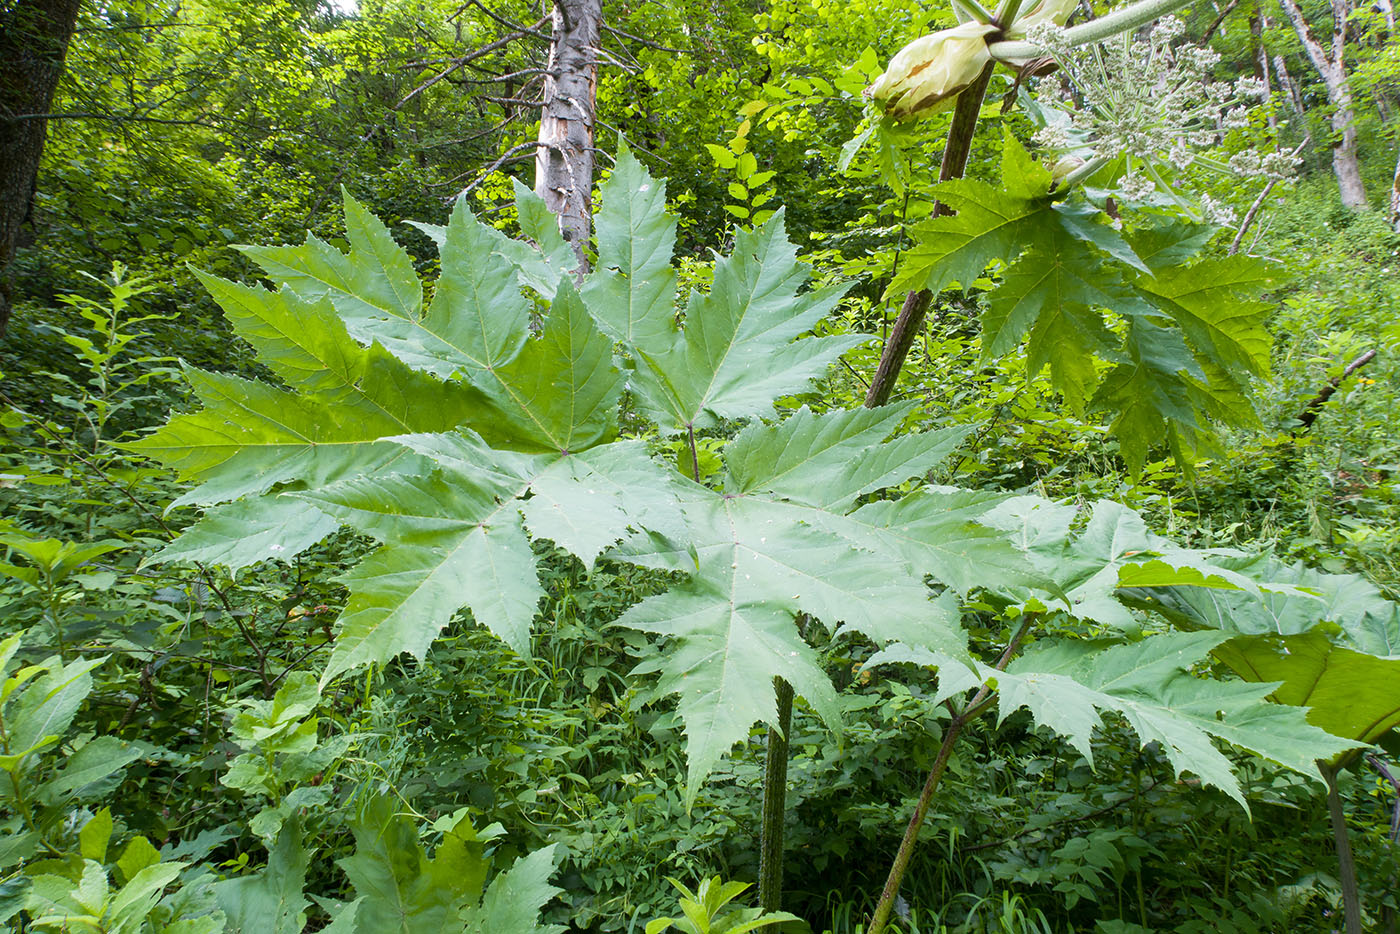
<point>1182,337</point>
<point>360,433</point>
<point>400,888</point>
<point>990,224</point>
<point>1067,686</point>
<point>1053,293</point>
<point>1085,572</point>
<point>632,289</point>
<point>271,901</point>
<point>941,533</point>
<point>828,460</point>
<point>738,350</point>
<point>768,548</point>
<point>1330,641</point>
<point>753,566</point>
<point>457,536</point>
<point>454,435</point>
<point>251,437</point>
<point>478,322</point>
<point>514,898</point>
<point>1348,693</point>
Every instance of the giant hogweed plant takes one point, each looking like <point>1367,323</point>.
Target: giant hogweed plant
<point>524,402</point>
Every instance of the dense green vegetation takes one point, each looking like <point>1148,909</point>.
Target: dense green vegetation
<point>415,577</point>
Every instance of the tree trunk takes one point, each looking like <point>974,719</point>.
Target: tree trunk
<point>1285,81</point>
<point>1394,215</point>
<point>1261,58</point>
<point>1331,66</point>
<point>564,161</point>
<point>34,38</point>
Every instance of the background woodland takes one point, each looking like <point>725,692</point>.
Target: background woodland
<point>192,743</point>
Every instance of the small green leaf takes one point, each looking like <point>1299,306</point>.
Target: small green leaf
<point>96,833</point>
<point>138,855</point>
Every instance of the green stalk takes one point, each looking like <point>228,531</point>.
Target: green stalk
<point>959,145</point>
<point>775,765</point>
<point>911,315</point>
<point>1007,12</point>
<point>1096,30</point>
<point>694,454</point>
<point>974,708</point>
<point>1346,864</point>
<point>1082,174</point>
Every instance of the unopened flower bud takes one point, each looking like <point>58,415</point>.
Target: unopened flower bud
<point>927,75</point>
<point>1066,164</point>
<point>1044,11</point>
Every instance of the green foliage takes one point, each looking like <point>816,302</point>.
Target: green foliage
<point>1066,685</point>
<point>1183,336</point>
<point>400,888</point>
<point>38,703</point>
<point>447,504</point>
<point>62,879</point>
<point>523,444</point>
<point>212,750</point>
<point>707,911</point>
<point>1329,642</point>
<point>282,751</point>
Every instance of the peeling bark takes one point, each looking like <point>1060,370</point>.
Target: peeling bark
<point>1394,215</point>
<point>564,161</point>
<point>1331,67</point>
<point>34,38</point>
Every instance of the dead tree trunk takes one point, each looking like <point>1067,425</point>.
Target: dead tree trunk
<point>1261,57</point>
<point>1394,215</point>
<point>1331,66</point>
<point>34,37</point>
<point>564,160</point>
<point>1285,81</point>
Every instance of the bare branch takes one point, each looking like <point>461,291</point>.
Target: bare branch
<point>1309,414</point>
<point>1215,24</point>
<point>496,79</point>
<point>630,142</point>
<point>505,157</point>
<point>516,101</point>
<point>648,43</point>
<point>529,30</point>
<point>463,60</point>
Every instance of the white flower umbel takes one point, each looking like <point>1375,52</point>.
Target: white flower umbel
<point>1151,100</point>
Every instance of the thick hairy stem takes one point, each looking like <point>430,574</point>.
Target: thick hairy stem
<point>973,709</point>
<point>694,454</point>
<point>897,345</point>
<point>1346,865</point>
<point>881,916</point>
<point>911,315</point>
<point>770,856</point>
<point>1096,30</point>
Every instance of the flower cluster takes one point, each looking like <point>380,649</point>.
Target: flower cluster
<point>1152,100</point>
